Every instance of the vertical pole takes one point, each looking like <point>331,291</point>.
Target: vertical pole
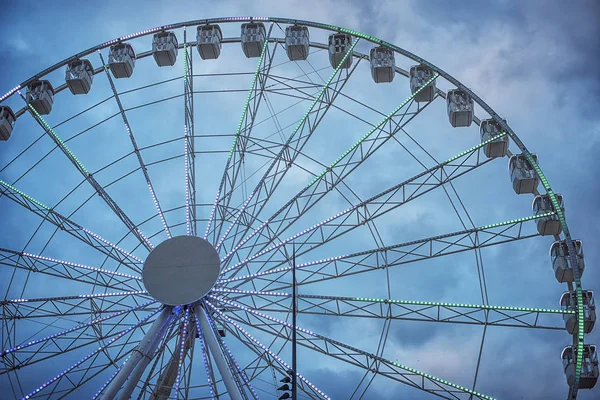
<point>294,384</point>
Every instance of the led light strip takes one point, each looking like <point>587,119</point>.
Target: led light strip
<point>209,379</point>
<point>391,301</point>
<point>181,351</point>
<point>238,367</point>
<point>412,370</point>
<point>79,296</point>
<point>237,134</point>
<point>81,326</point>
<point>342,213</point>
<point>74,265</point>
<point>266,349</point>
<point>101,348</point>
<point>377,127</point>
<point>279,155</point>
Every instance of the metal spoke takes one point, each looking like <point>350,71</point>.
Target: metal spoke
<point>62,342</point>
<point>56,380</point>
<point>397,254</point>
<point>261,350</point>
<point>236,154</point>
<point>90,178</point>
<point>357,357</point>
<point>294,144</point>
<point>65,224</point>
<point>334,174</point>
<point>135,147</point>
<point>360,307</point>
<point>190,156</point>
<point>70,271</point>
<point>369,209</point>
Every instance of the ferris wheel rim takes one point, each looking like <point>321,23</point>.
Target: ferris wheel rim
<point>372,39</point>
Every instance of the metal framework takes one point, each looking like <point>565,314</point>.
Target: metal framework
<point>100,324</point>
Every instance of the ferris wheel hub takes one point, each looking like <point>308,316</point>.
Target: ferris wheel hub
<point>181,270</point>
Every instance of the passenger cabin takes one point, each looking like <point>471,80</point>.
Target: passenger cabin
<point>208,39</point>
<point>460,108</point>
<point>79,76</point>
<point>549,225</point>
<point>40,94</point>
<point>253,38</point>
<point>383,64</point>
<point>297,42</point>
<point>561,263</point>
<point>7,122</point>
<point>121,60</point>
<point>339,44</point>
<point>419,76</point>
<point>568,302</point>
<point>522,174</point>
<point>164,48</point>
<point>589,366</point>
<point>488,130</point>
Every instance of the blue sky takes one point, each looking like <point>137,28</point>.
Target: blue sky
<point>535,63</point>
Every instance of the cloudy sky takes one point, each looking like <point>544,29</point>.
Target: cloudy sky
<point>534,62</point>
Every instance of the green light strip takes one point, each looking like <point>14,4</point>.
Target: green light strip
<point>579,292</point>
<point>445,382</point>
<point>461,305</point>
<point>11,187</point>
<point>239,128</point>
<point>378,126</point>
<point>448,161</point>
<point>516,221</point>
<point>323,89</point>
<point>58,139</point>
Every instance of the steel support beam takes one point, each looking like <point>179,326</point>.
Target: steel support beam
<point>213,345</point>
<point>140,351</point>
<point>139,369</point>
<point>166,380</point>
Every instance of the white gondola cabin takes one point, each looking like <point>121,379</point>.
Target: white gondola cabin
<point>383,64</point>
<point>589,366</point>
<point>79,76</point>
<point>568,302</point>
<point>460,108</point>
<point>419,76</point>
<point>522,174</point>
<point>253,38</point>
<point>339,44</point>
<point>40,94</point>
<point>549,225</point>
<point>164,48</point>
<point>297,42</point>
<point>121,60</point>
<point>7,122</point>
<point>208,39</point>
<point>488,130</point>
<point>561,262</point>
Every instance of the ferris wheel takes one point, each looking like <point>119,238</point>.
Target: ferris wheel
<point>183,219</point>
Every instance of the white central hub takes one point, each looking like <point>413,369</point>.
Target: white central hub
<point>181,270</point>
